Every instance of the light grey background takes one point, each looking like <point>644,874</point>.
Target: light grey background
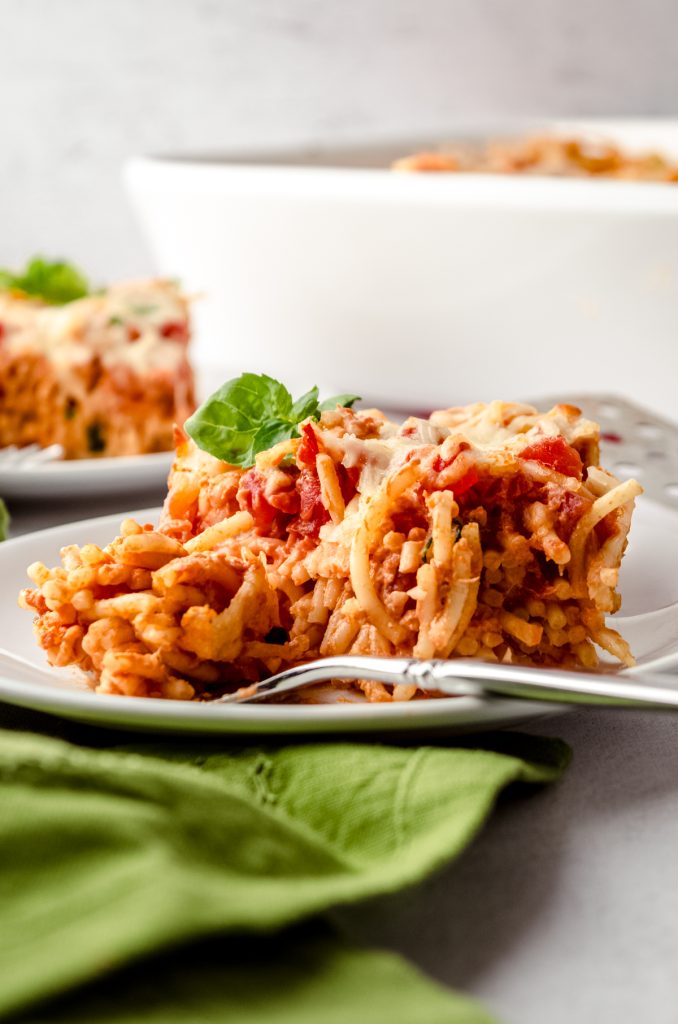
<point>85,83</point>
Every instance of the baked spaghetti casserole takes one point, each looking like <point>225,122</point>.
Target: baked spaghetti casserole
<point>487,531</point>
<point>544,155</point>
<point>105,373</point>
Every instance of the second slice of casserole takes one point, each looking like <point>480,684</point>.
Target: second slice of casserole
<point>105,374</point>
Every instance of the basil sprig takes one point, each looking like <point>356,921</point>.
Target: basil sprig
<point>250,414</point>
<point>55,282</point>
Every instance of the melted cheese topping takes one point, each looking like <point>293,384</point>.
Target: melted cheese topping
<point>99,326</point>
<point>497,433</point>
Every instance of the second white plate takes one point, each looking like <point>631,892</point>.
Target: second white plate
<point>74,478</point>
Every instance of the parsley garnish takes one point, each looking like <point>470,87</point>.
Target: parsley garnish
<point>426,550</point>
<point>277,635</point>
<point>96,441</point>
<point>4,520</point>
<point>56,283</point>
<point>70,409</point>
<point>250,414</point>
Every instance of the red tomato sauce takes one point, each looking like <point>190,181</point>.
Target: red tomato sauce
<point>555,453</point>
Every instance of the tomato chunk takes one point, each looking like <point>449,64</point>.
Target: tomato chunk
<point>466,479</point>
<point>251,498</point>
<point>177,330</point>
<point>465,482</point>
<point>555,453</point>
<point>569,507</point>
<point>312,512</point>
<point>308,447</point>
<point>285,501</point>
<point>608,526</point>
<point>348,481</point>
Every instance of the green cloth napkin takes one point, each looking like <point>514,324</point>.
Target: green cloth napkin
<point>160,874</point>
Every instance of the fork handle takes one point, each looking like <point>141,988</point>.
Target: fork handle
<point>460,677</point>
<point>470,676</point>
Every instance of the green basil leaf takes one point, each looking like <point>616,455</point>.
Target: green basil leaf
<point>345,401</point>
<point>55,282</point>
<point>272,433</point>
<point>4,520</point>
<point>253,398</point>
<point>250,414</point>
<point>225,424</point>
<point>226,443</point>
<point>305,406</point>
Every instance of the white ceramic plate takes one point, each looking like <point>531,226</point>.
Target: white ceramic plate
<point>85,478</point>
<point>649,584</point>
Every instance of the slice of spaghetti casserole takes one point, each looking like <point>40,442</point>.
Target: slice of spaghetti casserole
<point>101,374</point>
<point>488,531</point>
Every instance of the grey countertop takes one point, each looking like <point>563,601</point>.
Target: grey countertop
<point>565,908</point>
<point>27,516</point>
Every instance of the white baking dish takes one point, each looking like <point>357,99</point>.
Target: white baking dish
<point>328,268</point>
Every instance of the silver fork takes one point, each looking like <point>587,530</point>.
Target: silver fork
<point>29,456</point>
<point>463,677</point>
<point>460,677</point>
